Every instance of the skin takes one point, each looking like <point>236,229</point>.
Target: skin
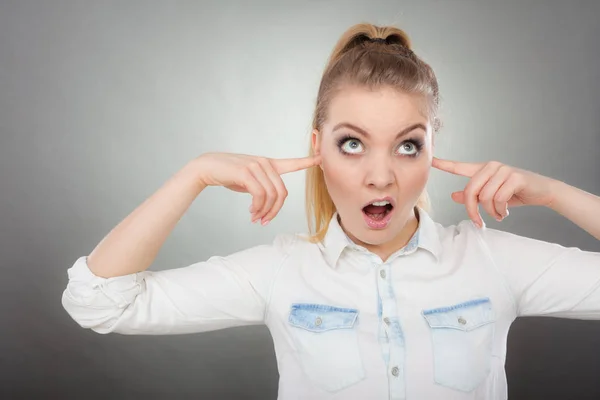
<point>497,187</point>
<point>380,164</point>
<point>379,169</point>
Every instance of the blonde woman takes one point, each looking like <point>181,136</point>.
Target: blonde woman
<point>378,301</point>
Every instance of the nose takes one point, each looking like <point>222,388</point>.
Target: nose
<point>380,173</point>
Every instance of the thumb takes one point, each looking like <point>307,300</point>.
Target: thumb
<point>458,197</point>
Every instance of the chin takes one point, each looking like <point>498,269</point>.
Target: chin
<point>373,237</point>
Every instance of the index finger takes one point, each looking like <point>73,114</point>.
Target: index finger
<point>285,165</point>
<point>456,167</point>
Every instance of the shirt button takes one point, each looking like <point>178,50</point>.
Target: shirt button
<point>318,321</point>
<point>386,320</point>
<point>395,371</point>
<point>382,274</point>
<point>462,321</point>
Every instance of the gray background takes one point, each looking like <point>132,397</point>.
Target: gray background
<point>101,102</point>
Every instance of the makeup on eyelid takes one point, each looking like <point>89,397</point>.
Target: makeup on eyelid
<point>376,146</point>
<point>416,142</point>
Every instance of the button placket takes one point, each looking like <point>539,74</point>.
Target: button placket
<point>394,346</point>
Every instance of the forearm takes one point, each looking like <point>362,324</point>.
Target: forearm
<point>579,206</point>
<point>133,244</point>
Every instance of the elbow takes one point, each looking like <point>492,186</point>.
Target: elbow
<point>102,320</point>
<point>97,303</point>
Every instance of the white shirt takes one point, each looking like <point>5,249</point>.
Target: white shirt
<point>429,323</point>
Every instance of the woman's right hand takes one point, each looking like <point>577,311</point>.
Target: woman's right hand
<point>258,176</point>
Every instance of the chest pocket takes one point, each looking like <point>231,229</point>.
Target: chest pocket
<point>462,336</point>
<point>327,344</point>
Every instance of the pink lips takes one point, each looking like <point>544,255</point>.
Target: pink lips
<point>383,223</point>
<point>378,224</point>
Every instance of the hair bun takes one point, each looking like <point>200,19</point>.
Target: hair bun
<point>393,39</point>
<point>397,36</point>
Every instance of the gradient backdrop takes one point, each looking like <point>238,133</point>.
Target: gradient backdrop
<point>101,102</point>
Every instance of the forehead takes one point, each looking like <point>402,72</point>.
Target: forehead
<point>380,109</point>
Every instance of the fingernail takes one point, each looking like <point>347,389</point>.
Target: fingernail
<point>264,222</point>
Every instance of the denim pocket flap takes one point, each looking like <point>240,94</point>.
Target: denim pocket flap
<point>320,317</point>
<point>464,316</point>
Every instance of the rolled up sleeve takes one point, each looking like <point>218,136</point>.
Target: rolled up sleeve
<point>547,279</point>
<point>218,293</point>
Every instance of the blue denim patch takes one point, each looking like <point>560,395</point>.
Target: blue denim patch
<point>462,337</point>
<point>456,306</point>
<point>326,343</point>
<point>464,316</point>
<point>320,317</point>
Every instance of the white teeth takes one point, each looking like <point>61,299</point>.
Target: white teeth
<point>380,203</point>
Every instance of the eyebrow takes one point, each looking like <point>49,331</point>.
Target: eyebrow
<point>367,135</point>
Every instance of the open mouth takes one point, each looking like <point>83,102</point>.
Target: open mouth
<point>377,214</point>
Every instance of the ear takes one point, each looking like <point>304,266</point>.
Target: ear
<point>316,141</point>
<point>316,144</point>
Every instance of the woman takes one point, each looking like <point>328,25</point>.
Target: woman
<point>379,301</point>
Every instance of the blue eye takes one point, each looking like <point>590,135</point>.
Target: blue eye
<point>408,148</point>
<point>349,145</point>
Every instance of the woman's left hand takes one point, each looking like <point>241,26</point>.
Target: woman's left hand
<point>497,187</point>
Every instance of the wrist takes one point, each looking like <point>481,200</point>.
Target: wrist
<point>197,173</point>
<point>560,191</point>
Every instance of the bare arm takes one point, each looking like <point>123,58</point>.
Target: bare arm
<point>579,206</point>
<point>133,244</point>
<point>110,291</point>
<point>497,187</point>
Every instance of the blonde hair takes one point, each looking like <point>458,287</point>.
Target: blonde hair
<point>358,59</point>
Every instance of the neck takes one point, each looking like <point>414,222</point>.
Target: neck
<point>385,250</point>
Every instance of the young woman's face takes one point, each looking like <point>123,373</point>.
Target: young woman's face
<point>375,144</point>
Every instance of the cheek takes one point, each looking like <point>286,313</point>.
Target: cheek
<point>339,176</point>
<point>414,177</point>
<point>421,170</point>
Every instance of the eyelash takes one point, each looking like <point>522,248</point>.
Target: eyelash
<point>417,142</point>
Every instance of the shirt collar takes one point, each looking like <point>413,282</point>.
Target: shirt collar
<point>425,237</point>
